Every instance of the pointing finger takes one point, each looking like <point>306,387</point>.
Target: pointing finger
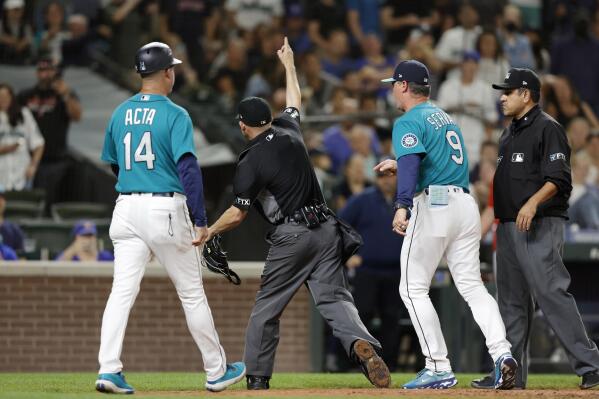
<point>286,42</point>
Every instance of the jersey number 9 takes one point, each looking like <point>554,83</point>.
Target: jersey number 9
<point>143,153</point>
<point>454,141</point>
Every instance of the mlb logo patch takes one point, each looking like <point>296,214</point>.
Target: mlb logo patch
<point>518,157</point>
<point>142,66</point>
<point>145,97</point>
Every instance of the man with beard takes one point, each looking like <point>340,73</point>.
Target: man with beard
<point>54,105</point>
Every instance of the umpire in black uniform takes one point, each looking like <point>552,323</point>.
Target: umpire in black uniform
<point>531,189</point>
<point>274,175</point>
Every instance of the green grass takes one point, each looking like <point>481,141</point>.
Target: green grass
<point>81,385</point>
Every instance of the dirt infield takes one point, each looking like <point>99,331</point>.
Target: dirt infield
<point>379,393</point>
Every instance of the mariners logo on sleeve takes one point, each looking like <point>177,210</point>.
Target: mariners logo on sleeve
<point>409,140</point>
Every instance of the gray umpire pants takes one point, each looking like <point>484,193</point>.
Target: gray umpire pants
<point>530,267</point>
<point>297,256</point>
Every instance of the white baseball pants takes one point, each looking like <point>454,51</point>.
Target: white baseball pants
<point>144,226</point>
<point>451,232</point>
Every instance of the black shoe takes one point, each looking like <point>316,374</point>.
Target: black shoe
<point>256,382</point>
<point>373,367</point>
<point>487,382</point>
<point>590,380</point>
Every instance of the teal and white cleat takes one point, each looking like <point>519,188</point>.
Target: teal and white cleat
<point>113,383</point>
<point>235,373</point>
<point>505,372</point>
<point>428,379</point>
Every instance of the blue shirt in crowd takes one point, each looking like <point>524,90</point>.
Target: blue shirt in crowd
<point>372,216</point>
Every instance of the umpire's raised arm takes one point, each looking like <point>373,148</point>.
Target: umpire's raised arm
<point>294,96</point>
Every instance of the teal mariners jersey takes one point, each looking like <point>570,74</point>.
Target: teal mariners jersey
<point>427,129</point>
<point>145,137</point>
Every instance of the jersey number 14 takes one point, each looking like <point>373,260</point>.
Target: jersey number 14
<point>143,153</point>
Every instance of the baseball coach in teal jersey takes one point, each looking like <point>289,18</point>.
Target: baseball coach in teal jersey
<point>149,145</point>
<point>432,182</point>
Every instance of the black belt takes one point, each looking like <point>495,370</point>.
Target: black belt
<point>153,194</point>
<point>311,216</point>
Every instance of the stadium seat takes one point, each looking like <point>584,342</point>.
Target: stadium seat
<point>69,211</point>
<point>25,204</point>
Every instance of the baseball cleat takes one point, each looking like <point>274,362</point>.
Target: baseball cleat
<point>505,372</point>
<point>257,382</point>
<point>590,380</point>
<point>113,383</point>
<point>429,379</point>
<point>235,373</point>
<point>373,367</point>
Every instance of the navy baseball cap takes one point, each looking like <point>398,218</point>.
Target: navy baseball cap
<point>254,111</point>
<point>518,78</point>
<point>471,56</point>
<point>85,228</point>
<point>410,71</point>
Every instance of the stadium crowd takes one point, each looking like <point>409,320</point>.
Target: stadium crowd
<point>343,48</point>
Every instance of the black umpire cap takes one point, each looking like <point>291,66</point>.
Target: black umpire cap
<point>410,71</point>
<point>254,111</point>
<point>520,78</point>
<point>154,57</point>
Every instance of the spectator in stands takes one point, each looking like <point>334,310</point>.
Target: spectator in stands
<point>577,57</point>
<point>296,30</point>
<point>54,105</point>
<point>193,23</point>
<point>374,66</point>
<point>377,263</point>
<point>488,153</point>
<point>360,140</point>
<point>480,189</point>
<point>324,17</point>
<point>15,33</point>
<point>49,40</point>
<point>353,182</point>
<point>585,210</point>
<point>456,41</point>
<point>337,137</point>
<point>400,17</point>
<point>493,66</point>
<point>233,61</point>
<point>363,19</point>
<point>75,49</point>
<point>591,152</point>
<point>421,47</point>
<point>21,144</point>
<point>516,45</point>
<point>132,23</point>
<point>540,53</point>
<point>578,131</point>
<point>248,15</point>
<point>12,234</point>
<point>471,104</point>
<point>336,59</point>
<point>6,252</point>
<point>580,171</point>
<point>562,102</point>
<point>85,245</point>
<point>317,85</point>
<point>322,165</point>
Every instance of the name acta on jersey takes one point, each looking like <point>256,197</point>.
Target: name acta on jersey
<point>139,116</point>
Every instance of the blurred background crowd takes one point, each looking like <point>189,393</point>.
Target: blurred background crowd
<point>342,49</point>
